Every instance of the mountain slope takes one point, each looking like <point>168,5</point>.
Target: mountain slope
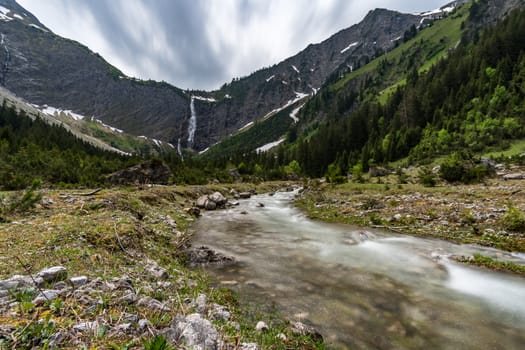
<point>46,69</point>
<point>470,101</point>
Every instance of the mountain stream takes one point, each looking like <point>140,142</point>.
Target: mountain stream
<point>364,288</point>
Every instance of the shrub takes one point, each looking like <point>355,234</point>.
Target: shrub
<point>27,201</point>
<point>427,177</point>
<point>461,167</point>
<point>514,220</point>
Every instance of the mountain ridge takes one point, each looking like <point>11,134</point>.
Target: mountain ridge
<point>67,75</point>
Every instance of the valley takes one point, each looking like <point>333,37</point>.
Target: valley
<point>364,193</point>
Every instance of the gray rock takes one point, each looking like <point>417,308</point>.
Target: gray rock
<point>128,299</point>
<point>201,302</point>
<point>305,330</point>
<point>219,313</point>
<point>261,326</point>
<point>210,205</point>
<point>122,283</point>
<point>194,211</point>
<point>53,274</point>
<point>130,318</point>
<point>46,295</point>
<point>122,328</point>
<point>194,332</point>
<point>201,202</point>
<point>249,346</point>
<point>78,281</point>
<point>157,272</point>
<point>17,282</point>
<point>245,195</point>
<point>56,339</point>
<point>152,304</point>
<point>143,324</point>
<point>204,255</point>
<point>514,176</point>
<point>218,198</point>
<point>86,327</point>
<point>62,285</point>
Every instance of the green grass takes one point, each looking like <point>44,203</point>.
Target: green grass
<point>516,147</point>
<point>492,264</point>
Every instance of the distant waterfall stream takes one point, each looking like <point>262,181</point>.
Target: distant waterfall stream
<point>193,123</point>
<point>364,288</point>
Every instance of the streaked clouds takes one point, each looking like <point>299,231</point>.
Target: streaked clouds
<point>202,44</point>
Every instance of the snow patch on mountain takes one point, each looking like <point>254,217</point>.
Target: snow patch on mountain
<point>349,46</point>
<point>269,146</point>
<point>295,69</point>
<point>206,99</point>
<point>298,96</point>
<point>107,126</point>
<point>270,78</point>
<point>52,111</point>
<point>246,126</point>
<point>294,113</point>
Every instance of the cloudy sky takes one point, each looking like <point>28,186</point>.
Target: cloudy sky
<point>201,44</point>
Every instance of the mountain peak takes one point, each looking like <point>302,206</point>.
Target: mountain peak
<point>10,10</point>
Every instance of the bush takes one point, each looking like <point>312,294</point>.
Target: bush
<point>427,177</point>
<point>514,220</point>
<point>461,167</point>
<point>16,204</point>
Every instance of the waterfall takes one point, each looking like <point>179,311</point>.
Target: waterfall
<point>179,150</point>
<point>193,123</point>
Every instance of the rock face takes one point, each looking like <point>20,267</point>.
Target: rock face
<point>150,172</point>
<point>46,69</point>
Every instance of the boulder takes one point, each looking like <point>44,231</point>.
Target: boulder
<point>245,195</point>
<point>210,205</point>
<point>218,198</point>
<point>201,202</point>
<point>194,332</point>
<point>149,172</point>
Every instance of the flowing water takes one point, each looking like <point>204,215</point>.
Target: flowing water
<point>364,288</point>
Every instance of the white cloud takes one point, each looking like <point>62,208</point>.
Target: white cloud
<point>222,39</point>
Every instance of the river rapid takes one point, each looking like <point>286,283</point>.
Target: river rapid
<point>364,288</point>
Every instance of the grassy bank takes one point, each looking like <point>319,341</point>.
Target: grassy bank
<point>111,236</point>
<point>487,214</point>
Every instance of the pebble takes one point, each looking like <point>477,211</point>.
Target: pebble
<point>261,326</point>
